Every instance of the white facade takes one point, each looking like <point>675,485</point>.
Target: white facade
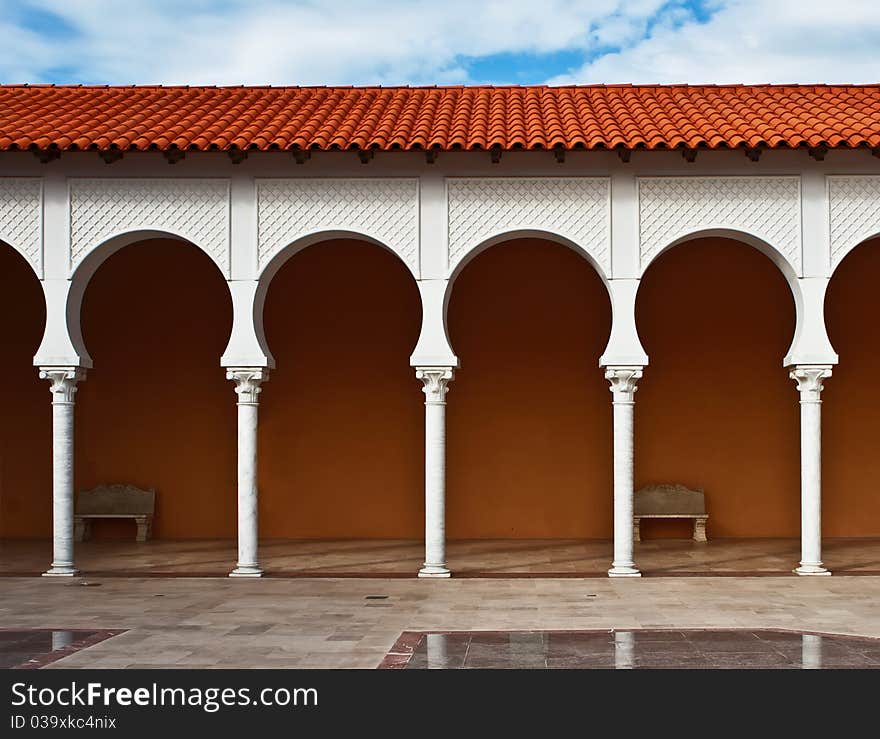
<point>66,217</point>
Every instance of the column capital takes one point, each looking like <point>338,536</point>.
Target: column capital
<point>63,382</point>
<point>436,381</point>
<point>247,383</point>
<point>809,379</point>
<point>623,382</point>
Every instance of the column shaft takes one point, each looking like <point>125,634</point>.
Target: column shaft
<point>63,387</point>
<point>623,387</point>
<point>809,379</point>
<point>435,381</point>
<point>247,388</point>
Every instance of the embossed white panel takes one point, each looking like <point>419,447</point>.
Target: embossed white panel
<point>21,217</point>
<point>384,209</point>
<point>196,209</point>
<point>853,212</point>
<point>766,207</point>
<point>577,208</point>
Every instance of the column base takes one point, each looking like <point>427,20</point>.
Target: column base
<point>623,571</point>
<point>434,571</point>
<point>811,569</point>
<point>61,572</point>
<point>246,571</point>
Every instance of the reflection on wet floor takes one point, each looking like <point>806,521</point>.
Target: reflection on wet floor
<point>719,649</point>
<point>19,648</point>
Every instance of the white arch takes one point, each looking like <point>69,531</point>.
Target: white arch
<point>81,277</point>
<point>805,329</point>
<point>840,255</point>
<point>439,329</point>
<point>500,237</point>
<point>248,345</point>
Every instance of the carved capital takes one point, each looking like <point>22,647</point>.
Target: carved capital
<point>809,379</point>
<point>436,380</point>
<point>623,382</point>
<point>247,383</point>
<point>63,382</point>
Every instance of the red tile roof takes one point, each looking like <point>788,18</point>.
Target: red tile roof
<point>387,118</point>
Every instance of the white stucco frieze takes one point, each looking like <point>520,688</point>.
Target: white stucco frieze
<point>853,212</point>
<point>575,208</point>
<point>21,217</point>
<point>767,208</point>
<point>386,210</point>
<point>195,209</point>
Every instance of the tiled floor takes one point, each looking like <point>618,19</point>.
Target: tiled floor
<point>33,648</point>
<point>475,558</point>
<point>225,622</point>
<point>664,649</point>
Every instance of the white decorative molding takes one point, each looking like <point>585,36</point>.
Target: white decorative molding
<point>247,383</point>
<point>21,217</point>
<point>809,379</point>
<point>623,382</point>
<point>576,208</point>
<point>386,210</point>
<point>63,381</point>
<point>195,209</point>
<point>436,383</point>
<point>766,207</point>
<point>853,212</point>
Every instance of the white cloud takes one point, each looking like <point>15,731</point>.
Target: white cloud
<point>428,42</point>
<point>276,42</point>
<point>753,41</point>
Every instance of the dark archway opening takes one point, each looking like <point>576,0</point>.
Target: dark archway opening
<point>157,411</point>
<point>716,409</point>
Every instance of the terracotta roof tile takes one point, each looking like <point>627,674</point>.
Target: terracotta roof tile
<point>591,117</point>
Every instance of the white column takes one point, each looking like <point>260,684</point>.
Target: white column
<point>63,388</point>
<point>624,650</point>
<point>436,381</point>
<point>809,380</point>
<point>247,387</point>
<point>623,387</point>
<point>811,652</point>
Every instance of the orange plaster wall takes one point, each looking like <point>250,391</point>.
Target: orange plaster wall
<point>157,410</point>
<point>342,417</point>
<point>26,427</point>
<point>851,402</point>
<point>716,408</point>
<point>529,413</point>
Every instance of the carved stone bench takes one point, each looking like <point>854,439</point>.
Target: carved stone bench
<point>670,501</point>
<point>114,501</point>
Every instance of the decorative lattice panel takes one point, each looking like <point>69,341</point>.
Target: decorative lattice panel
<point>577,208</point>
<point>766,207</point>
<point>853,212</point>
<point>384,209</point>
<point>195,209</point>
<point>21,217</point>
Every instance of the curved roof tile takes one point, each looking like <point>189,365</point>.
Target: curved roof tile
<point>384,118</point>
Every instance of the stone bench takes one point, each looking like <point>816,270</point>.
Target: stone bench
<point>114,501</point>
<point>670,501</point>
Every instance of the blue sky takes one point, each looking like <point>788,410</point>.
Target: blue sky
<point>429,42</point>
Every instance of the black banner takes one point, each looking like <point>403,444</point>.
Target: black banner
<point>143,702</point>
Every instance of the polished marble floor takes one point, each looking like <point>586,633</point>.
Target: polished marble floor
<point>473,558</point>
<point>709,649</point>
<point>356,622</point>
<point>34,648</point>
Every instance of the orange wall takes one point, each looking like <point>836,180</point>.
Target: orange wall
<point>342,418</point>
<point>715,408</point>
<point>851,403</point>
<point>157,410</point>
<point>26,425</point>
<point>529,413</point>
